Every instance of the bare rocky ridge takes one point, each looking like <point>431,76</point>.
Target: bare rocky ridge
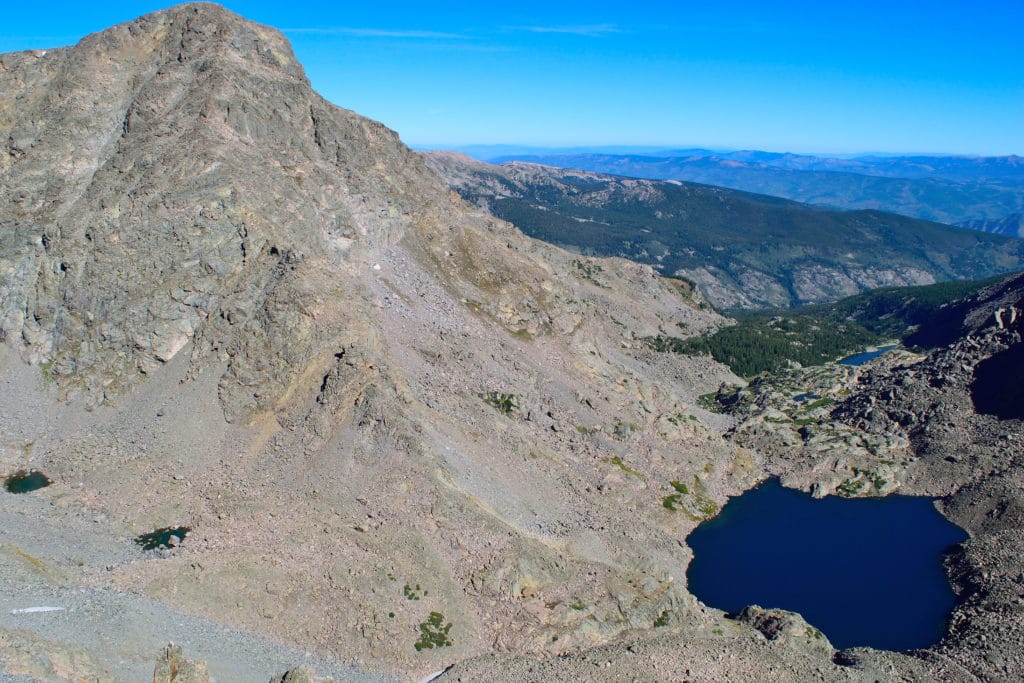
<point>229,305</point>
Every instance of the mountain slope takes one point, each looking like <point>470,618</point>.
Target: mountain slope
<point>402,434</point>
<point>1012,225</point>
<point>948,190</point>
<point>743,250</point>
<point>945,424</point>
<point>260,316</point>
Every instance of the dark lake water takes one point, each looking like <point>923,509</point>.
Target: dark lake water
<point>26,481</point>
<point>862,358</point>
<point>165,537</point>
<point>865,571</point>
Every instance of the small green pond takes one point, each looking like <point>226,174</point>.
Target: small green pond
<point>26,481</point>
<point>163,537</point>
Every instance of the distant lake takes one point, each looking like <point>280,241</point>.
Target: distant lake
<point>866,571</point>
<point>862,358</point>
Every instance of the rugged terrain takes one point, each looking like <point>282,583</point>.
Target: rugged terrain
<point>742,250</point>
<point>255,314</point>
<point>403,435</point>
<point>948,424</point>
<point>976,192</point>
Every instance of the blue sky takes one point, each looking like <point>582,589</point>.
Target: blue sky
<point>828,77</point>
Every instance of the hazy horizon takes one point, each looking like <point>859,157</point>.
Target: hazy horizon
<point>656,150</point>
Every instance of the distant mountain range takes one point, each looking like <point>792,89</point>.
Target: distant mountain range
<point>742,250</point>
<point>1007,225</point>
<point>974,192</point>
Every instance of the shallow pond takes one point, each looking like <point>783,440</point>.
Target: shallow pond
<point>165,537</point>
<point>26,481</point>
<point>865,571</point>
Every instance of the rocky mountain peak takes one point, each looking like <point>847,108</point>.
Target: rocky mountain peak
<point>198,32</point>
<point>190,234</point>
<point>161,174</point>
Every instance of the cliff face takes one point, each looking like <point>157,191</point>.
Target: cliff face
<point>175,179</point>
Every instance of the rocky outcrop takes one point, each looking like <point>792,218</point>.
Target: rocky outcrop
<point>961,397</point>
<point>202,203</point>
<point>788,627</point>
<point>172,667</point>
<point>301,674</point>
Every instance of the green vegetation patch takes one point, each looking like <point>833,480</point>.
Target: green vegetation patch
<point>624,430</point>
<point>758,344</point>
<point>850,487</point>
<point>820,403</point>
<point>434,633</point>
<point>617,461</point>
<point>679,487</point>
<point>503,403</point>
<point>691,499</point>
<point>46,369</point>
<point>861,478</point>
<point>588,271</point>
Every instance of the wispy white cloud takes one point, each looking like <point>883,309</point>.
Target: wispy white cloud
<point>588,30</point>
<point>373,33</point>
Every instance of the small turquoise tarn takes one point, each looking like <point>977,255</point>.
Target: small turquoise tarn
<point>26,481</point>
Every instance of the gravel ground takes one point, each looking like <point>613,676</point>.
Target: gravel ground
<point>55,553</point>
<point>51,558</point>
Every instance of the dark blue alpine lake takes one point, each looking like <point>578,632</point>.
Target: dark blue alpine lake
<point>866,571</point>
<point>864,357</point>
